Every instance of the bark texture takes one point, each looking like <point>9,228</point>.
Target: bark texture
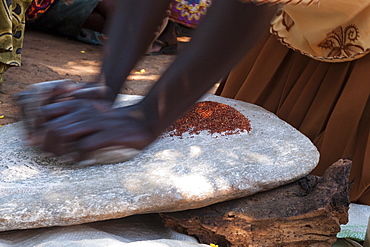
<point>307,212</point>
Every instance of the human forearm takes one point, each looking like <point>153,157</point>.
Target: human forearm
<point>229,30</point>
<point>131,30</point>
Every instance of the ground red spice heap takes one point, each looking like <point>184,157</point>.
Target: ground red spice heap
<point>212,116</point>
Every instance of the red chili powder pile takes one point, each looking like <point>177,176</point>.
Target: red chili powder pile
<point>212,116</point>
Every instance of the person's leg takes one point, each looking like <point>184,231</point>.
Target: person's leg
<point>180,14</point>
<point>65,19</point>
<point>133,27</point>
<point>98,18</point>
<point>166,43</point>
<point>106,7</point>
<point>95,21</point>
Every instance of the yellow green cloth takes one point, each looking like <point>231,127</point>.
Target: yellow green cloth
<point>12,24</point>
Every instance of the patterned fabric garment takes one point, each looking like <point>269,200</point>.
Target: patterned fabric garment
<point>292,2</point>
<point>12,24</point>
<point>332,31</point>
<point>316,81</point>
<point>62,17</point>
<point>189,12</point>
<point>327,102</point>
<point>37,8</point>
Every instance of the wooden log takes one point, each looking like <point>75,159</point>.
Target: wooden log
<point>307,212</point>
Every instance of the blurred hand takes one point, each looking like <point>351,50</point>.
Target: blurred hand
<point>75,128</point>
<point>50,92</point>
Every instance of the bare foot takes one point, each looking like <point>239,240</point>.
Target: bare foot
<point>166,42</point>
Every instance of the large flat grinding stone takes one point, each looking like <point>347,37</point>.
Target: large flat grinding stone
<point>173,174</point>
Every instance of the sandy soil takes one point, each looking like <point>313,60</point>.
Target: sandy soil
<point>46,57</point>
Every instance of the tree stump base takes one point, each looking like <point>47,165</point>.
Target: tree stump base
<point>307,212</point>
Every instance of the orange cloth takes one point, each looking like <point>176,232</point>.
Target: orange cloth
<point>328,102</point>
<point>37,8</point>
<point>317,80</point>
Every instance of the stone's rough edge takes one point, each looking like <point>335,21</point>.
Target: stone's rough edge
<point>113,211</point>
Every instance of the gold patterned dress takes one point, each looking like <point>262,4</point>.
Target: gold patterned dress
<point>313,71</point>
<point>12,24</point>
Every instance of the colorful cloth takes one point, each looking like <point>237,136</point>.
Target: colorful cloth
<point>291,2</point>
<point>37,8</point>
<point>189,12</point>
<point>63,17</point>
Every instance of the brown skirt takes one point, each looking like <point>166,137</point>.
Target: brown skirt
<point>328,102</point>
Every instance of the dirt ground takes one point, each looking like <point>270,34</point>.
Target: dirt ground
<point>47,57</point>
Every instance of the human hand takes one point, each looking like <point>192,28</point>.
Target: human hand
<point>41,94</point>
<point>85,130</point>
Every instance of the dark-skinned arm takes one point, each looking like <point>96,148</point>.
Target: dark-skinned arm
<point>131,32</point>
<point>228,31</point>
